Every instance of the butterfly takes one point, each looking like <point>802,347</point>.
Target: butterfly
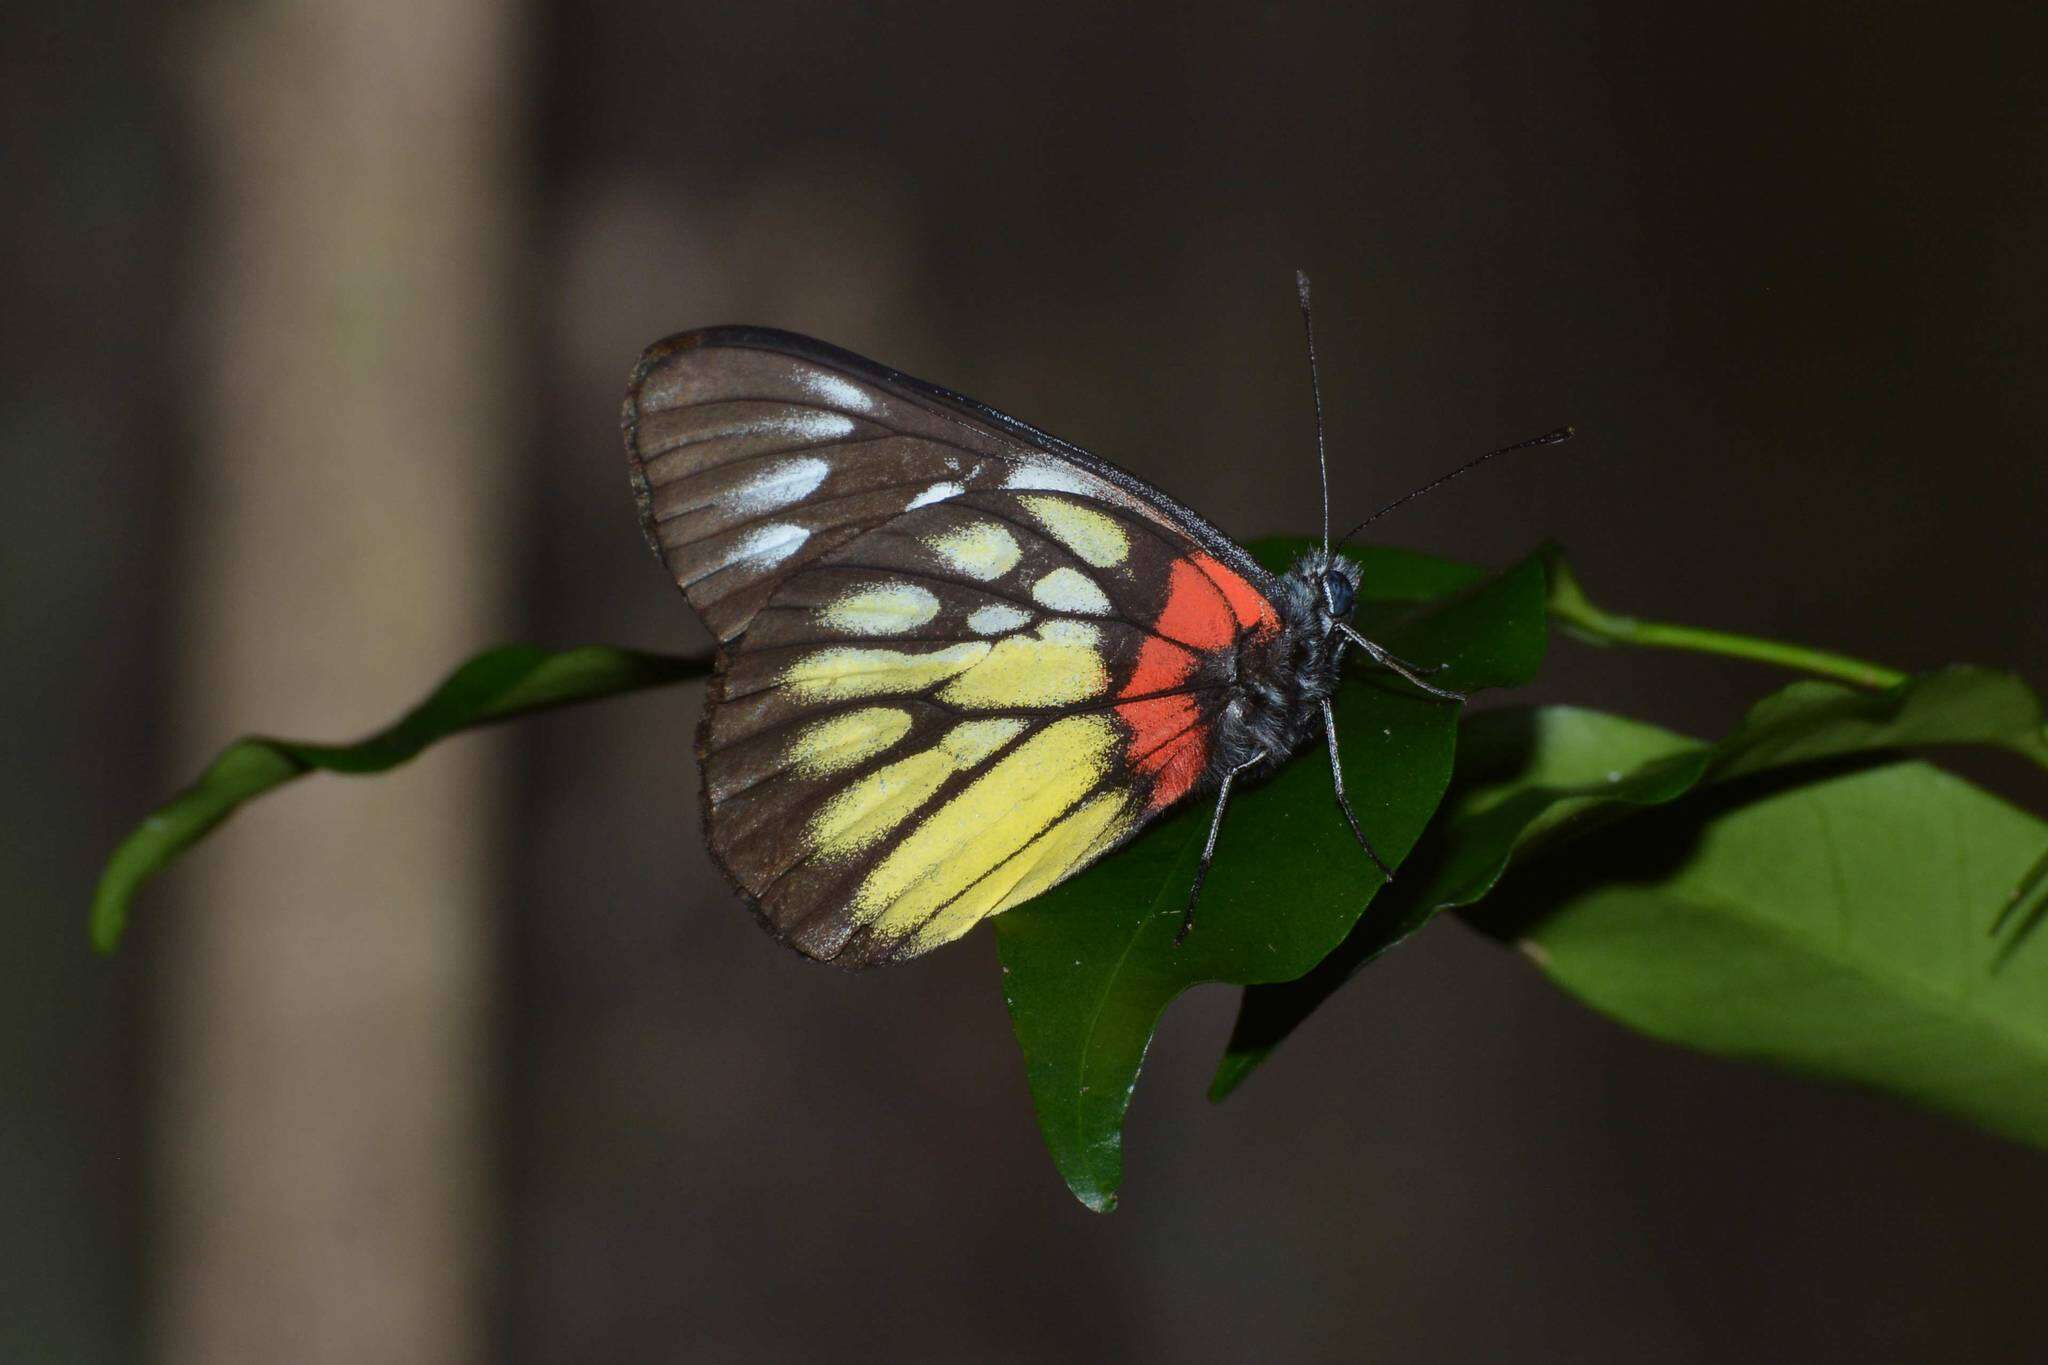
<point>959,659</point>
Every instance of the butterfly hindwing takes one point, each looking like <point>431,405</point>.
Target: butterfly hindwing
<point>959,660</point>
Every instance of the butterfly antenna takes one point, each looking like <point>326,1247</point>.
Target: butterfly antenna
<point>1549,438</point>
<point>1315,386</point>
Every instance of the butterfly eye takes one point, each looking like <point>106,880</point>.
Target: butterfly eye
<point>1338,592</point>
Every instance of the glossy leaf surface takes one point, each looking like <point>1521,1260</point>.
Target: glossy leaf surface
<point>1832,927</point>
<point>1088,967</point>
<point>1529,778</point>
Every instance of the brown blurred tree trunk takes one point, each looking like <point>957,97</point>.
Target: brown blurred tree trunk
<point>320,1153</point>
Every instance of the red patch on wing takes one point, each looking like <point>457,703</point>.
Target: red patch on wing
<point>1208,604</point>
<point>1156,724</point>
<point>1247,603</point>
<point>1169,744</point>
<point>1178,767</point>
<point>1162,666</point>
<point>1169,741</point>
<point>1206,607</point>
<point>1196,612</point>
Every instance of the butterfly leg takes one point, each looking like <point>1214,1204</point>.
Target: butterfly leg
<point>1187,916</point>
<point>1401,666</point>
<point>1343,801</point>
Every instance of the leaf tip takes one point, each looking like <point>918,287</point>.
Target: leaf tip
<point>1096,1201</point>
<point>109,920</point>
<point>1230,1074</point>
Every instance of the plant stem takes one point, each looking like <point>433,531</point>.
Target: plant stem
<point>1570,606</point>
<point>498,685</point>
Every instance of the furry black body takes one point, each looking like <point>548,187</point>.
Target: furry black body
<point>1281,680</point>
<point>1281,683</point>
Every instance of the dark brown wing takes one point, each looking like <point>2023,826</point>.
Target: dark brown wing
<point>957,666</point>
<point>754,452</point>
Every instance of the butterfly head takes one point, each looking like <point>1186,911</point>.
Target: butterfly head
<point>1331,582</point>
<point>1340,593</point>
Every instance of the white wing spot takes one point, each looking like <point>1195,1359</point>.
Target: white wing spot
<point>938,492</point>
<point>1070,590</point>
<point>763,547</point>
<point>996,618</point>
<point>1052,478</point>
<point>779,485</point>
<point>832,388</point>
<point>807,426</point>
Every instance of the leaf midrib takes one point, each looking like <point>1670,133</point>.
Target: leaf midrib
<point>1102,999</point>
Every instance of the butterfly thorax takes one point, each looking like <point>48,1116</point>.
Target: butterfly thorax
<point>1283,676</point>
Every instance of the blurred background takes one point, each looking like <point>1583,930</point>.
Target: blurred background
<point>317,319</point>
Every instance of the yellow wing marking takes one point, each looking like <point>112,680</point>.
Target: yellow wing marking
<point>843,671</point>
<point>834,745</point>
<point>1068,846</point>
<point>1061,662</point>
<point>998,814</point>
<point>1070,590</point>
<point>868,808</point>
<point>981,549</point>
<point>1096,537</point>
<point>881,609</point>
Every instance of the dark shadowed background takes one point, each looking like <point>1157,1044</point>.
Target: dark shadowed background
<point>316,322</point>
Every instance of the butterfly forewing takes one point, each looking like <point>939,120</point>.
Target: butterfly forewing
<point>960,659</point>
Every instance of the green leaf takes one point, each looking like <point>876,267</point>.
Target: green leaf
<point>2027,906</point>
<point>1833,928</point>
<point>498,685</point>
<point>1529,778</point>
<point>1816,720</point>
<point>1089,967</point>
